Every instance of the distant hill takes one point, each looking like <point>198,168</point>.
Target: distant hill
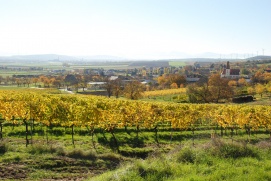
<point>260,57</point>
<point>212,57</point>
<point>55,57</point>
<point>149,64</point>
<point>101,57</point>
<point>42,57</point>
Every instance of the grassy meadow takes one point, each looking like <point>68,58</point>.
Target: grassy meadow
<point>166,154</point>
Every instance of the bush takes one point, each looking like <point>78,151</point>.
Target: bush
<point>59,151</point>
<point>161,170</point>
<point>136,152</point>
<point>38,149</point>
<point>3,148</point>
<point>112,158</point>
<point>186,155</point>
<point>42,149</point>
<point>232,150</point>
<point>80,154</point>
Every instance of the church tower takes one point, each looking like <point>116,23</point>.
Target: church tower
<point>228,69</point>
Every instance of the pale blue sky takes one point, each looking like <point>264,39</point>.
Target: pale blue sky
<point>135,28</point>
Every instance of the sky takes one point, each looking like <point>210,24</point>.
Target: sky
<point>144,29</point>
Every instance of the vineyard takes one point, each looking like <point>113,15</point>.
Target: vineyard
<point>31,108</point>
<point>164,92</point>
<point>71,134</point>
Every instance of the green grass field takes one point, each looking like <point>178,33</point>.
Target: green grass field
<point>169,155</point>
<point>177,63</point>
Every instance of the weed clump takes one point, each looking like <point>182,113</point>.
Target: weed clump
<point>80,154</point>
<point>160,171</point>
<point>3,148</point>
<point>186,155</point>
<point>43,149</point>
<point>232,150</point>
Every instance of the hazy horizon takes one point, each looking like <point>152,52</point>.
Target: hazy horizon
<point>140,29</point>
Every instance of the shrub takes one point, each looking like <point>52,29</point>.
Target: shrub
<point>112,158</point>
<point>42,149</point>
<point>59,151</point>
<point>38,149</point>
<point>3,148</point>
<point>160,171</point>
<point>232,150</point>
<point>264,145</point>
<point>186,155</point>
<point>80,154</point>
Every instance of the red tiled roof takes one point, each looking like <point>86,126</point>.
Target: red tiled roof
<point>232,71</point>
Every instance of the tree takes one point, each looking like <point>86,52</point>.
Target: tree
<point>18,82</point>
<point>244,71</point>
<point>212,90</point>
<point>267,77</point>
<point>7,79</point>
<point>70,80</point>
<point>1,79</point>
<point>45,80</point>
<point>117,87</point>
<point>109,86</point>
<point>166,80</point>
<point>173,86</point>
<point>251,91</point>
<point>83,82</point>
<point>176,78</point>
<point>35,80</point>
<point>258,77</point>
<point>55,82</point>
<point>28,81</point>
<point>198,93</point>
<point>232,83</point>
<point>242,82</point>
<point>219,88</point>
<point>268,89</point>
<point>133,90</point>
<point>162,80</point>
<point>259,88</point>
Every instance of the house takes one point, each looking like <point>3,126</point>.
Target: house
<point>230,73</point>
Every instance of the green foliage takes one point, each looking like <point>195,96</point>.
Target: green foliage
<point>232,150</point>
<point>186,155</point>
<point>161,171</point>
<point>3,147</point>
<point>136,152</point>
<point>44,149</point>
<point>80,154</point>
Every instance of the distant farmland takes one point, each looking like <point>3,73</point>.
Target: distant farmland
<point>177,63</point>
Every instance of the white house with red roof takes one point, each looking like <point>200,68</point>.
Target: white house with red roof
<point>230,73</point>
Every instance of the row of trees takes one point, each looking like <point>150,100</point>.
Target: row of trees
<point>49,80</point>
<point>171,81</point>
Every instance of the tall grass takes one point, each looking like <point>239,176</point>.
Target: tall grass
<point>3,147</point>
<point>216,160</point>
